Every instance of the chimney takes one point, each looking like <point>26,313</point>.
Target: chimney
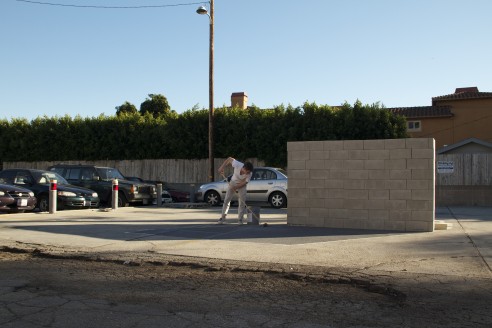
<point>463,90</point>
<point>239,99</point>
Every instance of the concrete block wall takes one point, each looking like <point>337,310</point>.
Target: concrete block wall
<point>362,184</point>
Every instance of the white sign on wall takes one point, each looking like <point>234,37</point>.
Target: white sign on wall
<point>445,167</point>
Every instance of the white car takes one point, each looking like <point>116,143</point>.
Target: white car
<point>268,184</point>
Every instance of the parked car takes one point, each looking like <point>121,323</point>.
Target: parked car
<point>68,196</point>
<point>176,195</point>
<point>101,179</point>
<point>267,184</point>
<point>15,199</point>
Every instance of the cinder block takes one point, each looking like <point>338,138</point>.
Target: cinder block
<point>374,144</point>
<point>334,184</point>
<point>396,184</point>
<point>339,173</point>
<point>394,143</point>
<point>374,204</point>
<point>355,224</point>
<point>319,212</point>
<point>423,153</point>
<point>400,215</point>
<point>318,174</point>
<point>338,154</point>
<point>354,164</point>
<point>395,204</point>
<point>315,164</point>
<point>379,174</point>
<point>419,226</point>
<point>354,184</point>
<point>296,146</point>
<point>372,185</point>
<point>332,145</point>
<point>297,193</point>
<point>400,153</point>
<point>314,145</point>
<point>419,184</point>
<point>317,193</point>
<point>301,155</point>
<point>334,193</point>
<point>358,174</point>
<point>353,144</point>
<point>358,214</point>
<point>293,165</point>
<point>374,164</point>
<point>296,220</point>
<point>315,183</point>
<point>358,154</point>
<point>315,221</point>
<point>379,154</point>
<point>419,174</point>
<point>298,174</point>
<point>420,143</point>
<point>400,174</point>
<point>416,205</point>
<point>423,194</point>
<point>335,164</point>
<point>297,183</point>
<point>333,203</point>
<point>338,213</point>
<point>395,164</point>
<point>381,215</point>
<point>426,216</point>
<point>394,225</point>
<point>378,194</point>
<point>333,223</point>
<point>314,202</point>
<point>300,212</point>
<point>355,204</point>
<point>417,164</point>
<point>316,154</point>
<point>400,194</point>
<point>298,202</point>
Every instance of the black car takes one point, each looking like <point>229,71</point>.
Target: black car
<point>100,179</point>
<point>15,199</point>
<point>68,196</point>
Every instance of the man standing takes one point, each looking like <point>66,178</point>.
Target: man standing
<point>240,178</point>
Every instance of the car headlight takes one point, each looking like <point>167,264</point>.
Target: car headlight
<point>2,193</point>
<point>66,194</point>
<point>31,194</point>
<point>94,194</point>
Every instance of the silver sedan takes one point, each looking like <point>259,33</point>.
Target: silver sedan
<point>268,184</point>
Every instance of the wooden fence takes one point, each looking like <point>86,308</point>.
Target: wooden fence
<point>166,170</point>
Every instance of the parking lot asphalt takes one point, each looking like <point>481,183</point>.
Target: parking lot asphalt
<point>464,250</point>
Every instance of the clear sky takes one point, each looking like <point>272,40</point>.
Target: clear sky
<point>57,60</point>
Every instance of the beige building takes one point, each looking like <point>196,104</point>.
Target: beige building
<point>464,114</point>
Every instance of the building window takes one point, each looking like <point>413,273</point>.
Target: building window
<point>414,126</point>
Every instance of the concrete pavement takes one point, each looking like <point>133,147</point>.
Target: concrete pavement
<point>465,250</point>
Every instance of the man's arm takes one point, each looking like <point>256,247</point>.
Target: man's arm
<point>226,162</point>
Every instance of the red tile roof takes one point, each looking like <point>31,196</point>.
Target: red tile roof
<point>463,93</point>
<point>422,111</point>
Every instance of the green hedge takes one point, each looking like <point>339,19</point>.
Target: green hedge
<point>260,133</point>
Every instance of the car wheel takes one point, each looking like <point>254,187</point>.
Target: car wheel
<point>122,202</point>
<point>212,197</point>
<point>43,203</point>
<point>277,200</point>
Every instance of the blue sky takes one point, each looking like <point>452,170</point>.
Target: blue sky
<point>58,60</point>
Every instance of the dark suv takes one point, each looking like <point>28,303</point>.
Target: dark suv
<point>100,179</point>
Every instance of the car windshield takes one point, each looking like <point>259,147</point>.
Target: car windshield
<point>46,177</point>
<point>109,173</point>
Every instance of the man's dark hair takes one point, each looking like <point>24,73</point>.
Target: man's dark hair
<point>248,166</point>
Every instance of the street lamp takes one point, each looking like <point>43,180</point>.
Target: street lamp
<point>203,11</point>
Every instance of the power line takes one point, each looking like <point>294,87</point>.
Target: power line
<point>110,7</point>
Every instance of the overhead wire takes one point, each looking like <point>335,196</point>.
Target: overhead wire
<point>109,7</point>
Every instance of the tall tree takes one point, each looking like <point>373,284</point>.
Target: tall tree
<point>126,108</point>
<point>157,105</point>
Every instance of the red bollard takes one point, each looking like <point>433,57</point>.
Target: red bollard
<point>52,196</point>
<point>114,200</point>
